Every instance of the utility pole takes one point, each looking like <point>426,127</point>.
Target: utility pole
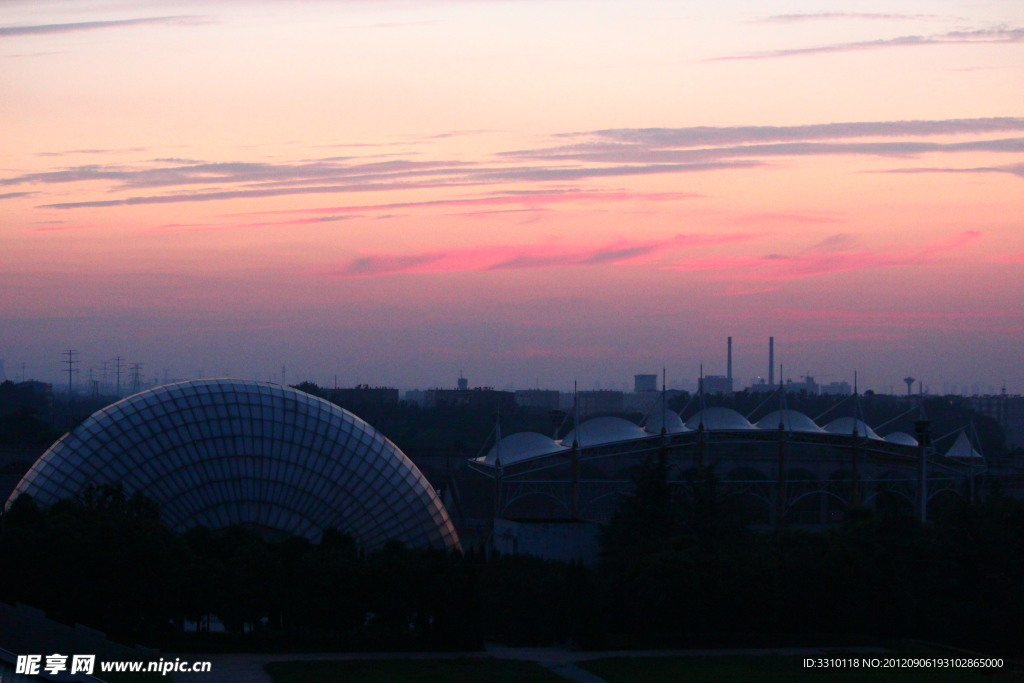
<point>780,484</point>
<point>136,377</point>
<point>922,429</point>
<point>855,446</point>
<point>117,374</point>
<point>71,362</point>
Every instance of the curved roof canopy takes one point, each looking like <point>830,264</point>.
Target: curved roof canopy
<point>522,446</point>
<point>671,420</point>
<point>845,425</point>
<point>901,438</point>
<point>792,421</point>
<point>602,430</point>
<point>219,452</point>
<point>718,418</point>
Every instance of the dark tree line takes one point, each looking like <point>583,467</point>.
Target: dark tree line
<point>680,570</point>
<point>105,560</point>
<point>684,569</point>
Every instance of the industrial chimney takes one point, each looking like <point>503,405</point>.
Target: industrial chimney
<point>729,366</point>
<point>771,361</point>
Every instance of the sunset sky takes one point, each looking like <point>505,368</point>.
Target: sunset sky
<point>529,192</point>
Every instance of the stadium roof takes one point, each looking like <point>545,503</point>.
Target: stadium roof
<point>962,448</point>
<point>718,418</point>
<point>602,430</point>
<point>901,438</point>
<point>792,421</point>
<point>672,422</point>
<point>846,425</point>
<point>522,446</point>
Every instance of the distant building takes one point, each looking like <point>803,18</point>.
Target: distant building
<point>836,389</point>
<point>640,402</point>
<point>642,383</point>
<point>761,386</point>
<point>537,398</point>
<point>479,397</point>
<point>600,402</point>
<point>647,401</point>
<point>808,386</point>
<point>717,384</point>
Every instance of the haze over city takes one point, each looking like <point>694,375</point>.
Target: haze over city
<point>529,193</point>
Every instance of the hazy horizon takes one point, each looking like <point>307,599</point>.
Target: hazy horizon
<point>527,192</point>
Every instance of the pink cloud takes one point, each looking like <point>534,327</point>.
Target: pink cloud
<point>748,290</point>
<point>828,257</point>
<point>499,257</point>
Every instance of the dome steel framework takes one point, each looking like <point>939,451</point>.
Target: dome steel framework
<point>223,451</point>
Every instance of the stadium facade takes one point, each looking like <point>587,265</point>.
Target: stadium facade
<point>221,452</point>
<point>785,468</point>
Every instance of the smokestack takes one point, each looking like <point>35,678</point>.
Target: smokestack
<point>771,361</point>
<point>729,370</point>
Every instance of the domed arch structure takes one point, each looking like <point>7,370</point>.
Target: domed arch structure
<point>219,452</point>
